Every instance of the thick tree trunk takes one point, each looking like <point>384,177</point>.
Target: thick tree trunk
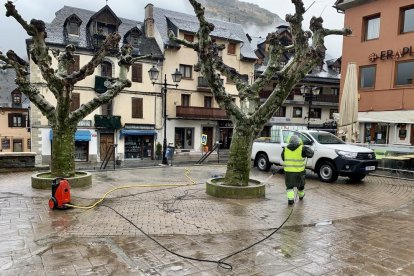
<point>239,164</point>
<point>63,149</point>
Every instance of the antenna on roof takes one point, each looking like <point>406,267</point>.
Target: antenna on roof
<point>106,2</point>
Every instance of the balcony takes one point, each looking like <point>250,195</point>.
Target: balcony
<point>201,113</point>
<point>327,98</point>
<point>108,122</point>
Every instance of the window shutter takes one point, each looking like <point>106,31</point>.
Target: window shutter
<point>137,72</point>
<point>10,119</point>
<point>137,108</point>
<point>75,66</point>
<point>75,101</point>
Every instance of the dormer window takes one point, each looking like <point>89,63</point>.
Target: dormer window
<point>73,25</point>
<point>73,28</point>
<point>337,69</point>
<point>16,97</point>
<point>105,29</point>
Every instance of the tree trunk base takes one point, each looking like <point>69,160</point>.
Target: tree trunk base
<point>216,188</point>
<point>44,180</point>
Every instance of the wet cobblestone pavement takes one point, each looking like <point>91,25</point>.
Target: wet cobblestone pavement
<point>344,228</point>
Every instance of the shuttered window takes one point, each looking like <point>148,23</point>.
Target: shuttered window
<point>74,66</point>
<point>75,101</point>
<point>17,120</point>
<point>137,72</point>
<point>137,108</point>
<point>231,48</point>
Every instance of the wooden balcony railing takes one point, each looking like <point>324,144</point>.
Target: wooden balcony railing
<point>201,112</point>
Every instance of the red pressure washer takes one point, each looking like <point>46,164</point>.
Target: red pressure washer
<point>60,194</point>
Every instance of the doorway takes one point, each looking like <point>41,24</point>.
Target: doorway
<point>106,141</point>
<point>209,132</point>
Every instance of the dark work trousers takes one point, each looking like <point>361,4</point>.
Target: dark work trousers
<point>295,179</point>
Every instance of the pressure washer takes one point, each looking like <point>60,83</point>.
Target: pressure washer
<point>60,194</point>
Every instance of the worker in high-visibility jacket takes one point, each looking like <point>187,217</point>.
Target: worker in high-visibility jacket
<point>294,155</point>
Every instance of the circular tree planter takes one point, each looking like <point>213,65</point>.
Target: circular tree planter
<point>255,189</point>
<point>44,180</point>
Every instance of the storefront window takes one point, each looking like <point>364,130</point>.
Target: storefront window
<point>132,147</point>
<point>376,133</point>
<point>81,151</point>
<point>184,138</point>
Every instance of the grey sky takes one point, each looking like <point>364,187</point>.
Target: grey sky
<point>13,36</point>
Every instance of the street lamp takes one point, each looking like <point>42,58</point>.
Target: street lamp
<point>176,76</point>
<point>309,93</point>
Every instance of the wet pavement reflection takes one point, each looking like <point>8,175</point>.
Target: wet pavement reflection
<point>344,228</point>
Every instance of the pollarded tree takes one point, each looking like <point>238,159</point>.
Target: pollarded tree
<point>252,115</point>
<point>61,83</point>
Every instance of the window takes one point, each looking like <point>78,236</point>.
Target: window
<point>106,109</point>
<point>73,28</point>
<point>405,72</point>
<point>187,71</point>
<point>281,112</point>
<point>17,120</point>
<point>17,145</point>
<point>315,113</point>
<point>297,112</point>
<point>372,27</point>
<point>367,76</point>
<point>331,112</point>
<point>189,37</point>
<point>133,39</point>
<point>75,101</point>
<point>137,108</point>
<point>29,143</point>
<point>207,101</point>
<point>334,91</point>
<point>337,69</point>
<point>184,138</point>
<point>231,48</point>
<point>74,66</point>
<point>185,100</point>
<point>104,28</point>
<point>17,97</point>
<point>137,72</point>
<point>407,20</point>
<point>106,69</point>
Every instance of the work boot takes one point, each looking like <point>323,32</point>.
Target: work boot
<point>291,196</point>
<point>301,194</point>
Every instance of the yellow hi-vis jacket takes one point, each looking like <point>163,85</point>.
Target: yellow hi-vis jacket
<point>294,162</point>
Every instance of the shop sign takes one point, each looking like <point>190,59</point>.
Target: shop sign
<point>139,127</point>
<point>391,54</point>
<point>226,124</point>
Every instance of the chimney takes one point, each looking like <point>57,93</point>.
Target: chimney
<point>149,20</point>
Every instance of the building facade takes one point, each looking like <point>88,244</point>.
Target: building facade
<point>133,123</point>
<point>129,125</point>
<point>302,108</point>
<point>191,108</point>
<point>382,46</point>
<point>14,115</point>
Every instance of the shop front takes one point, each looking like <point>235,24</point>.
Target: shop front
<point>226,134</point>
<point>82,139</point>
<point>138,142</point>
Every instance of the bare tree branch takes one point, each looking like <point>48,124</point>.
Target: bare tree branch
<point>193,45</point>
<point>90,106</point>
<point>89,68</point>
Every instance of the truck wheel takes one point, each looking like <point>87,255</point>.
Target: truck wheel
<point>357,177</point>
<point>327,172</point>
<point>263,162</point>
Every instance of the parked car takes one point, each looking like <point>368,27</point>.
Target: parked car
<point>332,156</point>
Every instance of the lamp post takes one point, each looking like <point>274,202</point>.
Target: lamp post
<point>176,76</point>
<point>309,93</point>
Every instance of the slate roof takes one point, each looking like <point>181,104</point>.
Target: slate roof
<point>7,86</point>
<point>189,23</point>
<point>55,31</point>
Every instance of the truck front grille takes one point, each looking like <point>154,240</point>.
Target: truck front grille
<point>366,156</point>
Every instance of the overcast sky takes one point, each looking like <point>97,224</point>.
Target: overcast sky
<point>13,36</point>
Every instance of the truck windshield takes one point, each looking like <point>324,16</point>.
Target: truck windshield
<point>326,138</point>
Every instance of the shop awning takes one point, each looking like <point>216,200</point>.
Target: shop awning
<point>80,135</point>
<point>138,132</point>
<point>392,117</point>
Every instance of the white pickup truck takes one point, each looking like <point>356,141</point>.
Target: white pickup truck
<point>332,157</point>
